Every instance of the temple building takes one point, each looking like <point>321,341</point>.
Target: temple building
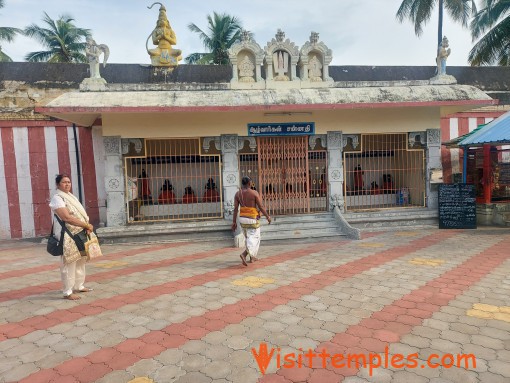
<point>169,145</point>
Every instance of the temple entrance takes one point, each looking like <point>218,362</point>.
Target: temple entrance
<point>290,177</point>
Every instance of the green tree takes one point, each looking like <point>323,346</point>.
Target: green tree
<point>494,46</point>
<point>7,34</point>
<point>223,31</point>
<point>420,11</point>
<point>65,41</point>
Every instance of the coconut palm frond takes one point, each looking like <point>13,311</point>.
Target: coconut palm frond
<point>494,47</point>
<point>223,30</point>
<point>64,40</point>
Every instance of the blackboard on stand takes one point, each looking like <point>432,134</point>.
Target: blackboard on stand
<point>457,206</point>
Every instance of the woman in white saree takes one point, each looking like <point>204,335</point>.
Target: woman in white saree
<point>72,264</point>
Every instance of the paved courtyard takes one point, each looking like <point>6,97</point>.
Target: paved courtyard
<point>404,302</point>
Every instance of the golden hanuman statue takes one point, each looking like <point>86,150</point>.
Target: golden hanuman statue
<point>164,37</point>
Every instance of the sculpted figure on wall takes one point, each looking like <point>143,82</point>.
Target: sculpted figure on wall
<point>315,69</point>
<point>314,61</point>
<point>281,59</point>
<point>246,57</point>
<point>93,52</point>
<point>246,70</point>
<point>281,65</point>
<point>164,37</point>
<point>442,54</point>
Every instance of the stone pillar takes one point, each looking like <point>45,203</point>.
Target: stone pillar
<point>235,75</point>
<point>325,72</point>
<point>304,71</point>
<point>433,162</point>
<point>114,182</point>
<point>230,172</point>
<point>335,171</point>
<point>258,70</point>
<point>269,69</point>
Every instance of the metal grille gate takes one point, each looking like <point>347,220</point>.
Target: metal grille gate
<point>283,174</point>
<point>173,180</point>
<point>384,172</point>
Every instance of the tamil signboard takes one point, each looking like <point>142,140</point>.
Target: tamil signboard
<point>282,129</point>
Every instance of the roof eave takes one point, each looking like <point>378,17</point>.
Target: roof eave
<point>49,110</point>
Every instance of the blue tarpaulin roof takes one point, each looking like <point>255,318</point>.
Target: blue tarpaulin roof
<point>495,132</point>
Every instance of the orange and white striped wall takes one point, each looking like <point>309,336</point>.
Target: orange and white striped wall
<point>454,126</point>
<point>32,153</point>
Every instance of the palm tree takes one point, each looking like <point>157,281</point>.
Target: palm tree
<point>419,12</point>
<point>62,38</point>
<point>224,30</point>
<point>494,46</point>
<point>6,34</point>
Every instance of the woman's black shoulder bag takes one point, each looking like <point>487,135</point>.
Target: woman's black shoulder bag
<point>56,247</point>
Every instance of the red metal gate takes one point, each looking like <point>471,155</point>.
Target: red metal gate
<point>283,174</point>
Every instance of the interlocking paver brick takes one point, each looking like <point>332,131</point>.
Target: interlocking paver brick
<point>500,368</point>
<point>492,378</point>
<point>334,288</point>
<point>217,370</point>
<point>460,375</point>
<point>406,377</point>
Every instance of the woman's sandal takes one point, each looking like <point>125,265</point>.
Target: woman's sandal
<point>253,259</point>
<point>72,297</point>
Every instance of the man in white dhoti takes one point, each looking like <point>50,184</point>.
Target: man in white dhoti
<point>249,217</point>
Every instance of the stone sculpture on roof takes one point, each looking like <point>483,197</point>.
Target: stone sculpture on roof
<point>93,51</point>
<point>314,60</point>
<point>442,54</point>
<point>281,59</point>
<point>246,70</point>
<point>443,51</point>
<point>164,37</point>
<point>246,57</point>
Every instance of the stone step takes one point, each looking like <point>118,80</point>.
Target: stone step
<point>378,219</point>
<point>303,217</point>
<point>391,213</point>
<point>282,227</point>
<point>278,224</point>
<point>298,233</point>
<point>207,230</point>
<point>506,218</point>
<point>302,227</point>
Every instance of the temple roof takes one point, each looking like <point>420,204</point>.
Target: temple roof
<point>93,104</point>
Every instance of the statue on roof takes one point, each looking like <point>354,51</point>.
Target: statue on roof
<point>164,37</point>
<point>315,69</point>
<point>246,70</point>
<point>281,65</point>
<point>442,54</point>
<point>93,52</point>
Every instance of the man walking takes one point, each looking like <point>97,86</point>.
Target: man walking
<point>249,217</point>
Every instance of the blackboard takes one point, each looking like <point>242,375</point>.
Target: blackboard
<point>457,206</point>
<point>504,173</point>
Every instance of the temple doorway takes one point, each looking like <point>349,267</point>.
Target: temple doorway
<point>290,177</point>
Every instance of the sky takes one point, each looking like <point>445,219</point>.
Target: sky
<point>359,32</point>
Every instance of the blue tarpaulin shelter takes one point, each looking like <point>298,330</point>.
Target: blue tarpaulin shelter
<point>496,132</point>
